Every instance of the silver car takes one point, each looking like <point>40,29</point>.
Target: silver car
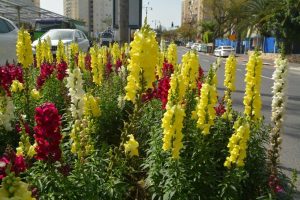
<point>8,40</point>
<point>224,51</point>
<point>67,36</point>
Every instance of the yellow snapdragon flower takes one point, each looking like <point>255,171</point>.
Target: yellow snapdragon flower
<point>97,65</point>
<point>142,62</point>
<point>190,69</point>
<point>172,124</point>
<point>160,64</point>
<point>81,60</point>
<point>60,52</point>
<point>74,49</point>
<point>205,108</point>
<point>82,144</point>
<point>229,83</point>
<point>238,144</point>
<point>91,106</point>
<point>230,73</point>
<point>23,48</point>
<point>252,98</point>
<point>131,146</point>
<point>13,188</point>
<point>16,86</point>
<point>35,94</point>
<point>39,54</point>
<point>172,54</point>
<point>116,52</point>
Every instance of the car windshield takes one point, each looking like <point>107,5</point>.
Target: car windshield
<point>227,48</point>
<point>59,35</point>
<point>106,35</point>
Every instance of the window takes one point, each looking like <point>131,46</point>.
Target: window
<point>77,35</point>
<point>10,26</point>
<point>4,27</point>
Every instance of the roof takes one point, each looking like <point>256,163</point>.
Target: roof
<point>18,11</point>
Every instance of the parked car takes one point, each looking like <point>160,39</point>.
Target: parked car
<point>202,48</point>
<point>67,36</point>
<point>224,51</point>
<point>195,46</point>
<point>189,44</point>
<point>8,40</point>
<point>106,38</point>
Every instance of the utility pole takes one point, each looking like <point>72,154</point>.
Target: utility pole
<point>147,7</point>
<point>124,20</point>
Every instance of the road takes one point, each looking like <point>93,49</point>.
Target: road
<point>290,153</point>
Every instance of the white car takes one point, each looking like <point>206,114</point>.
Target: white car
<point>189,45</point>
<point>224,51</point>
<point>67,36</point>
<point>195,46</point>
<point>8,40</point>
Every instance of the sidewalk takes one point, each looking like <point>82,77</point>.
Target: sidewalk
<point>244,58</point>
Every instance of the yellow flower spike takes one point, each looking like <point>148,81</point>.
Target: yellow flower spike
<point>190,69</point>
<point>14,188</point>
<point>142,63</point>
<point>172,54</point>
<point>172,124</point>
<point>252,98</point>
<point>31,151</point>
<point>97,65</point>
<point>91,106</point>
<point>131,146</point>
<point>230,73</point>
<point>24,49</point>
<point>159,66</point>
<point>116,53</point>
<point>237,145</point>
<point>49,56</point>
<point>35,94</point>
<point>81,60</point>
<point>16,86</point>
<point>74,49</point>
<point>60,52</point>
<point>205,107</point>
<point>39,54</point>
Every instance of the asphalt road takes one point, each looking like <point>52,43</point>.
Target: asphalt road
<point>290,153</point>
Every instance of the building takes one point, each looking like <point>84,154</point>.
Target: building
<point>31,2</point>
<point>97,14</point>
<point>194,11</point>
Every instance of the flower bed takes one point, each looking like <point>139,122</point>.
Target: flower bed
<point>129,122</point>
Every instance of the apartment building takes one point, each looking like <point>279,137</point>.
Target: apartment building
<point>97,14</point>
<point>194,11</point>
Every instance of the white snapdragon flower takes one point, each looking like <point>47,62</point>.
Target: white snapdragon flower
<point>6,112</point>
<point>76,92</point>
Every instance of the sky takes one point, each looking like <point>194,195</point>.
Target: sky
<point>162,12</point>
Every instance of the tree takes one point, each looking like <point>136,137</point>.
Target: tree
<point>272,17</point>
<point>186,32</point>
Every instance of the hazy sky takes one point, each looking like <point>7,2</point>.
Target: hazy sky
<point>163,11</point>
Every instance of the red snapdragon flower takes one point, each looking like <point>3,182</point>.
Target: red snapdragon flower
<point>17,163</point>
<point>45,72</point>
<point>275,185</point>
<point>88,62</point>
<point>47,133</point>
<point>8,73</point>
<point>61,69</point>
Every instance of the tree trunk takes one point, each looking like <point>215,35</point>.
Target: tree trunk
<point>124,21</point>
